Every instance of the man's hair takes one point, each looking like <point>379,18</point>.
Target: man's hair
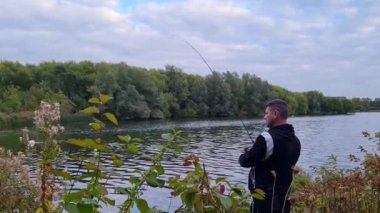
<point>280,105</point>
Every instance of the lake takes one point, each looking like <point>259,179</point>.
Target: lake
<point>219,143</point>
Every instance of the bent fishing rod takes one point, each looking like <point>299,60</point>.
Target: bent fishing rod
<point>211,70</point>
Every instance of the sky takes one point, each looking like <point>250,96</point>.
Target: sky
<point>332,46</point>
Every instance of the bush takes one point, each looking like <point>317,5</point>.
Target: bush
<point>341,190</point>
<point>18,193</point>
<point>10,99</point>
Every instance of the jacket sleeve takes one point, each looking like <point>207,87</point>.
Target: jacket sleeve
<point>255,154</point>
<point>296,151</point>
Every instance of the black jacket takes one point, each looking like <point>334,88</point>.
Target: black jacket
<point>277,149</point>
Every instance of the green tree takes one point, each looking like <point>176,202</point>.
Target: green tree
<point>130,104</point>
<point>219,95</point>
<point>237,91</point>
<point>146,86</point>
<point>302,104</point>
<point>356,104</point>
<point>365,103</point>
<point>348,106</point>
<point>10,99</point>
<point>14,73</point>
<point>256,94</point>
<point>177,85</point>
<point>198,95</point>
<point>314,98</point>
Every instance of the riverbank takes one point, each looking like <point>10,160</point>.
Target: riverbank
<point>14,120</point>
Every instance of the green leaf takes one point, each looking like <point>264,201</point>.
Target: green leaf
<point>137,140</point>
<point>133,148</point>
<point>111,117</point>
<point>101,190</point>
<point>108,201</point>
<point>90,166</point>
<point>78,142</point>
<point>226,202</point>
<point>160,182</point>
<point>104,98</point>
<point>142,205</point>
<point>90,110</point>
<point>160,169</point>
<point>257,196</point>
<point>116,160</point>
<point>175,132</point>
<point>124,139</point>
<point>188,198</point>
<point>118,163</point>
<point>71,208</point>
<point>98,125</point>
<point>153,181</point>
<point>119,190</point>
<point>85,208</point>
<point>182,139</point>
<point>237,191</point>
<point>134,180</point>
<point>94,101</point>
<point>63,174</point>
<point>176,147</point>
<point>220,179</point>
<point>87,143</point>
<point>260,192</point>
<point>168,136</point>
<point>74,196</point>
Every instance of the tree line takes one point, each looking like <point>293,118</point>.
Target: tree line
<point>141,93</point>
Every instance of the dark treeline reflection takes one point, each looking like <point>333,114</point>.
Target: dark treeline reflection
<point>140,93</point>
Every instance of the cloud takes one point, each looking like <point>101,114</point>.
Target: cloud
<point>330,45</point>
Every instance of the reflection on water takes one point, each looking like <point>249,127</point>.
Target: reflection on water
<point>219,143</point>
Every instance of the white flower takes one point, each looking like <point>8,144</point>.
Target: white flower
<point>47,118</point>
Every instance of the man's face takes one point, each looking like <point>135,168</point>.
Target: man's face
<point>269,117</point>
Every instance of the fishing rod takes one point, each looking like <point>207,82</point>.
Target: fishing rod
<point>209,67</point>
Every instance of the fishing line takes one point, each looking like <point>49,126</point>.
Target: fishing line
<point>209,67</point>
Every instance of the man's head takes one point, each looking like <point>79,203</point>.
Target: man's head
<point>276,113</point>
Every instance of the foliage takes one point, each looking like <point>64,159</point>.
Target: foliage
<point>91,197</point>
<point>157,93</point>
<point>18,192</point>
<point>219,95</point>
<point>198,194</point>
<point>150,176</point>
<point>10,99</point>
<point>341,190</point>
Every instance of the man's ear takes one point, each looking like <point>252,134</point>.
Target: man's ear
<point>276,113</point>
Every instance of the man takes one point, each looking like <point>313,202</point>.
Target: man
<point>272,158</point>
